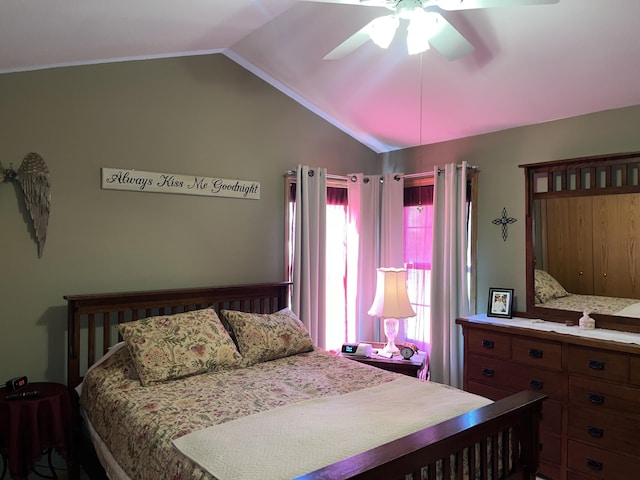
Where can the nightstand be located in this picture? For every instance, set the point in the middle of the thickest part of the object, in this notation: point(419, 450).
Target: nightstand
point(411, 367)
point(31, 426)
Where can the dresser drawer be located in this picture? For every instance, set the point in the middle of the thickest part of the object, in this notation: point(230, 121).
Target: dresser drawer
point(634, 363)
point(494, 372)
point(544, 381)
point(577, 476)
point(605, 364)
point(549, 470)
point(490, 391)
point(550, 447)
point(551, 416)
point(489, 343)
point(605, 431)
point(537, 353)
point(602, 464)
point(600, 396)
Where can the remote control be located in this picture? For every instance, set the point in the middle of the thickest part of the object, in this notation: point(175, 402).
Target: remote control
point(23, 395)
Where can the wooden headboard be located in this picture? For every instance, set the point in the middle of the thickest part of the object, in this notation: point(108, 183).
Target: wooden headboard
point(92, 319)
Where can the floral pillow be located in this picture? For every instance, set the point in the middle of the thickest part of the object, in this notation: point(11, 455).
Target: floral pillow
point(262, 337)
point(174, 346)
point(547, 287)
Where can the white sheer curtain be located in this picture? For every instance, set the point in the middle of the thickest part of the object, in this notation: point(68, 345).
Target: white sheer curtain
point(449, 280)
point(374, 240)
point(309, 271)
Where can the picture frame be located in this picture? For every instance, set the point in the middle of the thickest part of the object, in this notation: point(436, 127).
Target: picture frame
point(500, 302)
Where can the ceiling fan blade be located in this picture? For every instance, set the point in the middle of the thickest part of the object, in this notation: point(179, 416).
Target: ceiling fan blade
point(471, 4)
point(352, 43)
point(375, 3)
point(449, 42)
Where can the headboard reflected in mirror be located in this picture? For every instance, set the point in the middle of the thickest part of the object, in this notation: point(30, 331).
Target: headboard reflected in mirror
point(583, 240)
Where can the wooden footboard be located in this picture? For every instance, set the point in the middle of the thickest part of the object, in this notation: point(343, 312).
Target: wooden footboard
point(497, 441)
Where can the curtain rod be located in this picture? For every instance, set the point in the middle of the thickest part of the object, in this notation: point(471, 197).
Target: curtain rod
point(408, 175)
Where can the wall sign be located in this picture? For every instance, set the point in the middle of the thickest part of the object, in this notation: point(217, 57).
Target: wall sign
point(137, 180)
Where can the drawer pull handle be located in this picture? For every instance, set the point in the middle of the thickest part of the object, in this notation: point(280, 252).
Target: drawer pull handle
point(535, 353)
point(488, 372)
point(594, 465)
point(487, 344)
point(596, 365)
point(596, 398)
point(595, 431)
point(537, 384)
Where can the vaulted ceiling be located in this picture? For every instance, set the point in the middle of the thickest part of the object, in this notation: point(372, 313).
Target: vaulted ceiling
point(530, 64)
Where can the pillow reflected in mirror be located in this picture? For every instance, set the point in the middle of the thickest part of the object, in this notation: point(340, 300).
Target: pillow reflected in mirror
point(547, 288)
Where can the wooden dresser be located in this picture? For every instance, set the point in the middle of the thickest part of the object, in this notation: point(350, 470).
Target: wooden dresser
point(590, 425)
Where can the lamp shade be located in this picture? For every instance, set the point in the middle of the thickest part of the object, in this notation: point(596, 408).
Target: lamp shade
point(392, 299)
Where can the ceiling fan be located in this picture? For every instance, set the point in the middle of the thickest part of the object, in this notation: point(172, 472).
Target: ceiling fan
point(426, 26)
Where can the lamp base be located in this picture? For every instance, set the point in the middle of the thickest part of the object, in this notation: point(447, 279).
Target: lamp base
point(390, 330)
point(390, 349)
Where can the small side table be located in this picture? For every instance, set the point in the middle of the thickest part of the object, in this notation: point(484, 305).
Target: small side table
point(411, 367)
point(29, 427)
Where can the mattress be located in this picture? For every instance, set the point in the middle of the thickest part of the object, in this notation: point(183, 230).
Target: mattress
point(137, 425)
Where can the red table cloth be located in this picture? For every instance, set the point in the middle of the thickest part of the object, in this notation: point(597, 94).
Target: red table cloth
point(28, 427)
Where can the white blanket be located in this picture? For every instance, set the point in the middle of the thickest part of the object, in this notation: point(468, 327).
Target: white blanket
point(292, 440)
point(630, 311)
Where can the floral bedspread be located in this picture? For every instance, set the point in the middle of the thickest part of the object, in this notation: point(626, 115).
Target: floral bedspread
point(138, 423)
point(591, 303)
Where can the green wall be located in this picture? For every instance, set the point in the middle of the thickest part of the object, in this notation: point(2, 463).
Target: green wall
point(501, 181)
point(207, 116)
point(201, 115)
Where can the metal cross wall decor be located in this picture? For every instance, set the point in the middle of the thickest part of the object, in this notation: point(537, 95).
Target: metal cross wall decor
point(504, 221)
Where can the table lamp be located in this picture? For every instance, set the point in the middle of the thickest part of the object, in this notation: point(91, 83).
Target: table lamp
point(391, 303)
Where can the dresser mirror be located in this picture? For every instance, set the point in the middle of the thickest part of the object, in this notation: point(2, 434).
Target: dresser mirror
point(583, 240)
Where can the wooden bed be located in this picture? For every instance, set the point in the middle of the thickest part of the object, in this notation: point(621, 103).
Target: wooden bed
point(506, 429)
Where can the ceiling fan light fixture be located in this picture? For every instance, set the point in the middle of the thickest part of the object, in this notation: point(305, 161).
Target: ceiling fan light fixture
point(417, 42)
point(382, 30)
point(421, 27)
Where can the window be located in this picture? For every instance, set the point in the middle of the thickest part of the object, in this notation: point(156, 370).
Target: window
point(336, 271)
point(418, 235)
point(336, 328)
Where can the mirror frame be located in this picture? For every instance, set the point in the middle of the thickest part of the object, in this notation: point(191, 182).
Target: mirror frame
point(558, 173)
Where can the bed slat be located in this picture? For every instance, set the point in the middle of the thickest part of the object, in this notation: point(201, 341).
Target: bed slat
point(484, 458)
point(91, 331)
point(106, 333)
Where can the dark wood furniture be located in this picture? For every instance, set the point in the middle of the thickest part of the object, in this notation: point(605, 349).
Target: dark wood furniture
point(412, 367)
point(591, 420)
point(513, 420)
point(582, 227)
point(31, 426)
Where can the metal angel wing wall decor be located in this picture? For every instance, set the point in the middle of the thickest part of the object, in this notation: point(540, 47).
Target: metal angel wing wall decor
point(33, 177)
